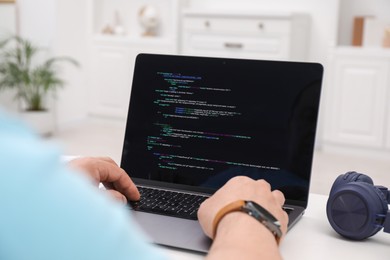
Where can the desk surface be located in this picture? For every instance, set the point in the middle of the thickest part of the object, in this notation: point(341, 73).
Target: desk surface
point(313, 238)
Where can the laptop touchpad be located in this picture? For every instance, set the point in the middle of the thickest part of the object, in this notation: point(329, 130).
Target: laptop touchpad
point(175, 232)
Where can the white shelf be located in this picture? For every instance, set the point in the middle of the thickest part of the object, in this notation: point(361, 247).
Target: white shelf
point(112, 56)
point(135, 40)
point(237, 14)
point(372, 52)
point(105, 13)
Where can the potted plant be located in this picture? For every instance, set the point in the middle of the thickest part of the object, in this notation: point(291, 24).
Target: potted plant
point(32, 78)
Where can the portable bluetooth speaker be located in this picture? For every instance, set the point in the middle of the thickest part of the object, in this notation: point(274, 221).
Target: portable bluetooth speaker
point(357, 209)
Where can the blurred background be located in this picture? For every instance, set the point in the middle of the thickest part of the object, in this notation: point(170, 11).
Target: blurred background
point(351, 38)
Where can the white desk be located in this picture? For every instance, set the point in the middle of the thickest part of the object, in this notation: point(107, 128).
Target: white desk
point(313, 238)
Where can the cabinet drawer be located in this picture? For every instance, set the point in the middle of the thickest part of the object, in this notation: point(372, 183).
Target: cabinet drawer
point(276, 36)
point(237, 25)
point(268, 45)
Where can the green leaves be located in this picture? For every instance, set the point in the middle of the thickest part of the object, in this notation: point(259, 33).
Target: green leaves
point(20, 71)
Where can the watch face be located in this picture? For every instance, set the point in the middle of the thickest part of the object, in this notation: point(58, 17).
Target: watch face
point(263, 215)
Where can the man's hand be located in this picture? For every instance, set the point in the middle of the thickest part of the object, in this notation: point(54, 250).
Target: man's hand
point(238, 235)
point(243, 188)
point(104, 170)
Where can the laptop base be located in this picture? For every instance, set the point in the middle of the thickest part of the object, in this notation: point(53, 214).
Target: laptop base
point(173, 232)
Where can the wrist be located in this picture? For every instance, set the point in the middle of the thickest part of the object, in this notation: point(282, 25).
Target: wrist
point(240, 223)
point(242, 236)
point(254, 210)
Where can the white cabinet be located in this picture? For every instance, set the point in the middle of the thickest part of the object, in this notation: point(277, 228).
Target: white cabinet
point(245, 35)
point(387, 135)
point(110, 79)
point(357, 98)
point(112, 55)
point(111, 72)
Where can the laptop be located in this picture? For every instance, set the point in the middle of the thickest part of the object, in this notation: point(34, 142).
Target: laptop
point(195, 122)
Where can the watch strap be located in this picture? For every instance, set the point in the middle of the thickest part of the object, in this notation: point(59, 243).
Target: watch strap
point(234, 206)
point(239, 205)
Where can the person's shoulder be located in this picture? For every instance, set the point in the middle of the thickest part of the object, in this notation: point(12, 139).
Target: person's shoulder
point(12, 125)
point(22, 152)
point(52, 210)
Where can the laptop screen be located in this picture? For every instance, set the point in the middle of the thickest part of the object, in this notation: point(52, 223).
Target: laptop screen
point(199, 121)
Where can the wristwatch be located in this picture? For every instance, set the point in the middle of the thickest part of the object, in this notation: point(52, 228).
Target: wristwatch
point(253, 209)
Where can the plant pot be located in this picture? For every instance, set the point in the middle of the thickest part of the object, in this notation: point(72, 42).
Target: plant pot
point(42, 122)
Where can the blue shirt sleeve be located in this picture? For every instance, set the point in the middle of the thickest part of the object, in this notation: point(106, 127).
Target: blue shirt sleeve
point(50, 212)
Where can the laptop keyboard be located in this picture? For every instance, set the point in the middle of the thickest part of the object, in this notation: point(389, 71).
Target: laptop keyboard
point(170, 203)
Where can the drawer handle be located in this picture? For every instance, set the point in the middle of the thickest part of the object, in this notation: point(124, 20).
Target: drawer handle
point(233, 45)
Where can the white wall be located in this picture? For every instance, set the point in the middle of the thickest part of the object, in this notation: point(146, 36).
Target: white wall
point(7, 27)
point(7, 19)
point(60, 27)
point(70, 39)
point(37, 21)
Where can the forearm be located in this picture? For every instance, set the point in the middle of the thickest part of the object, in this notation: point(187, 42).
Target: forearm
point(240, 236)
